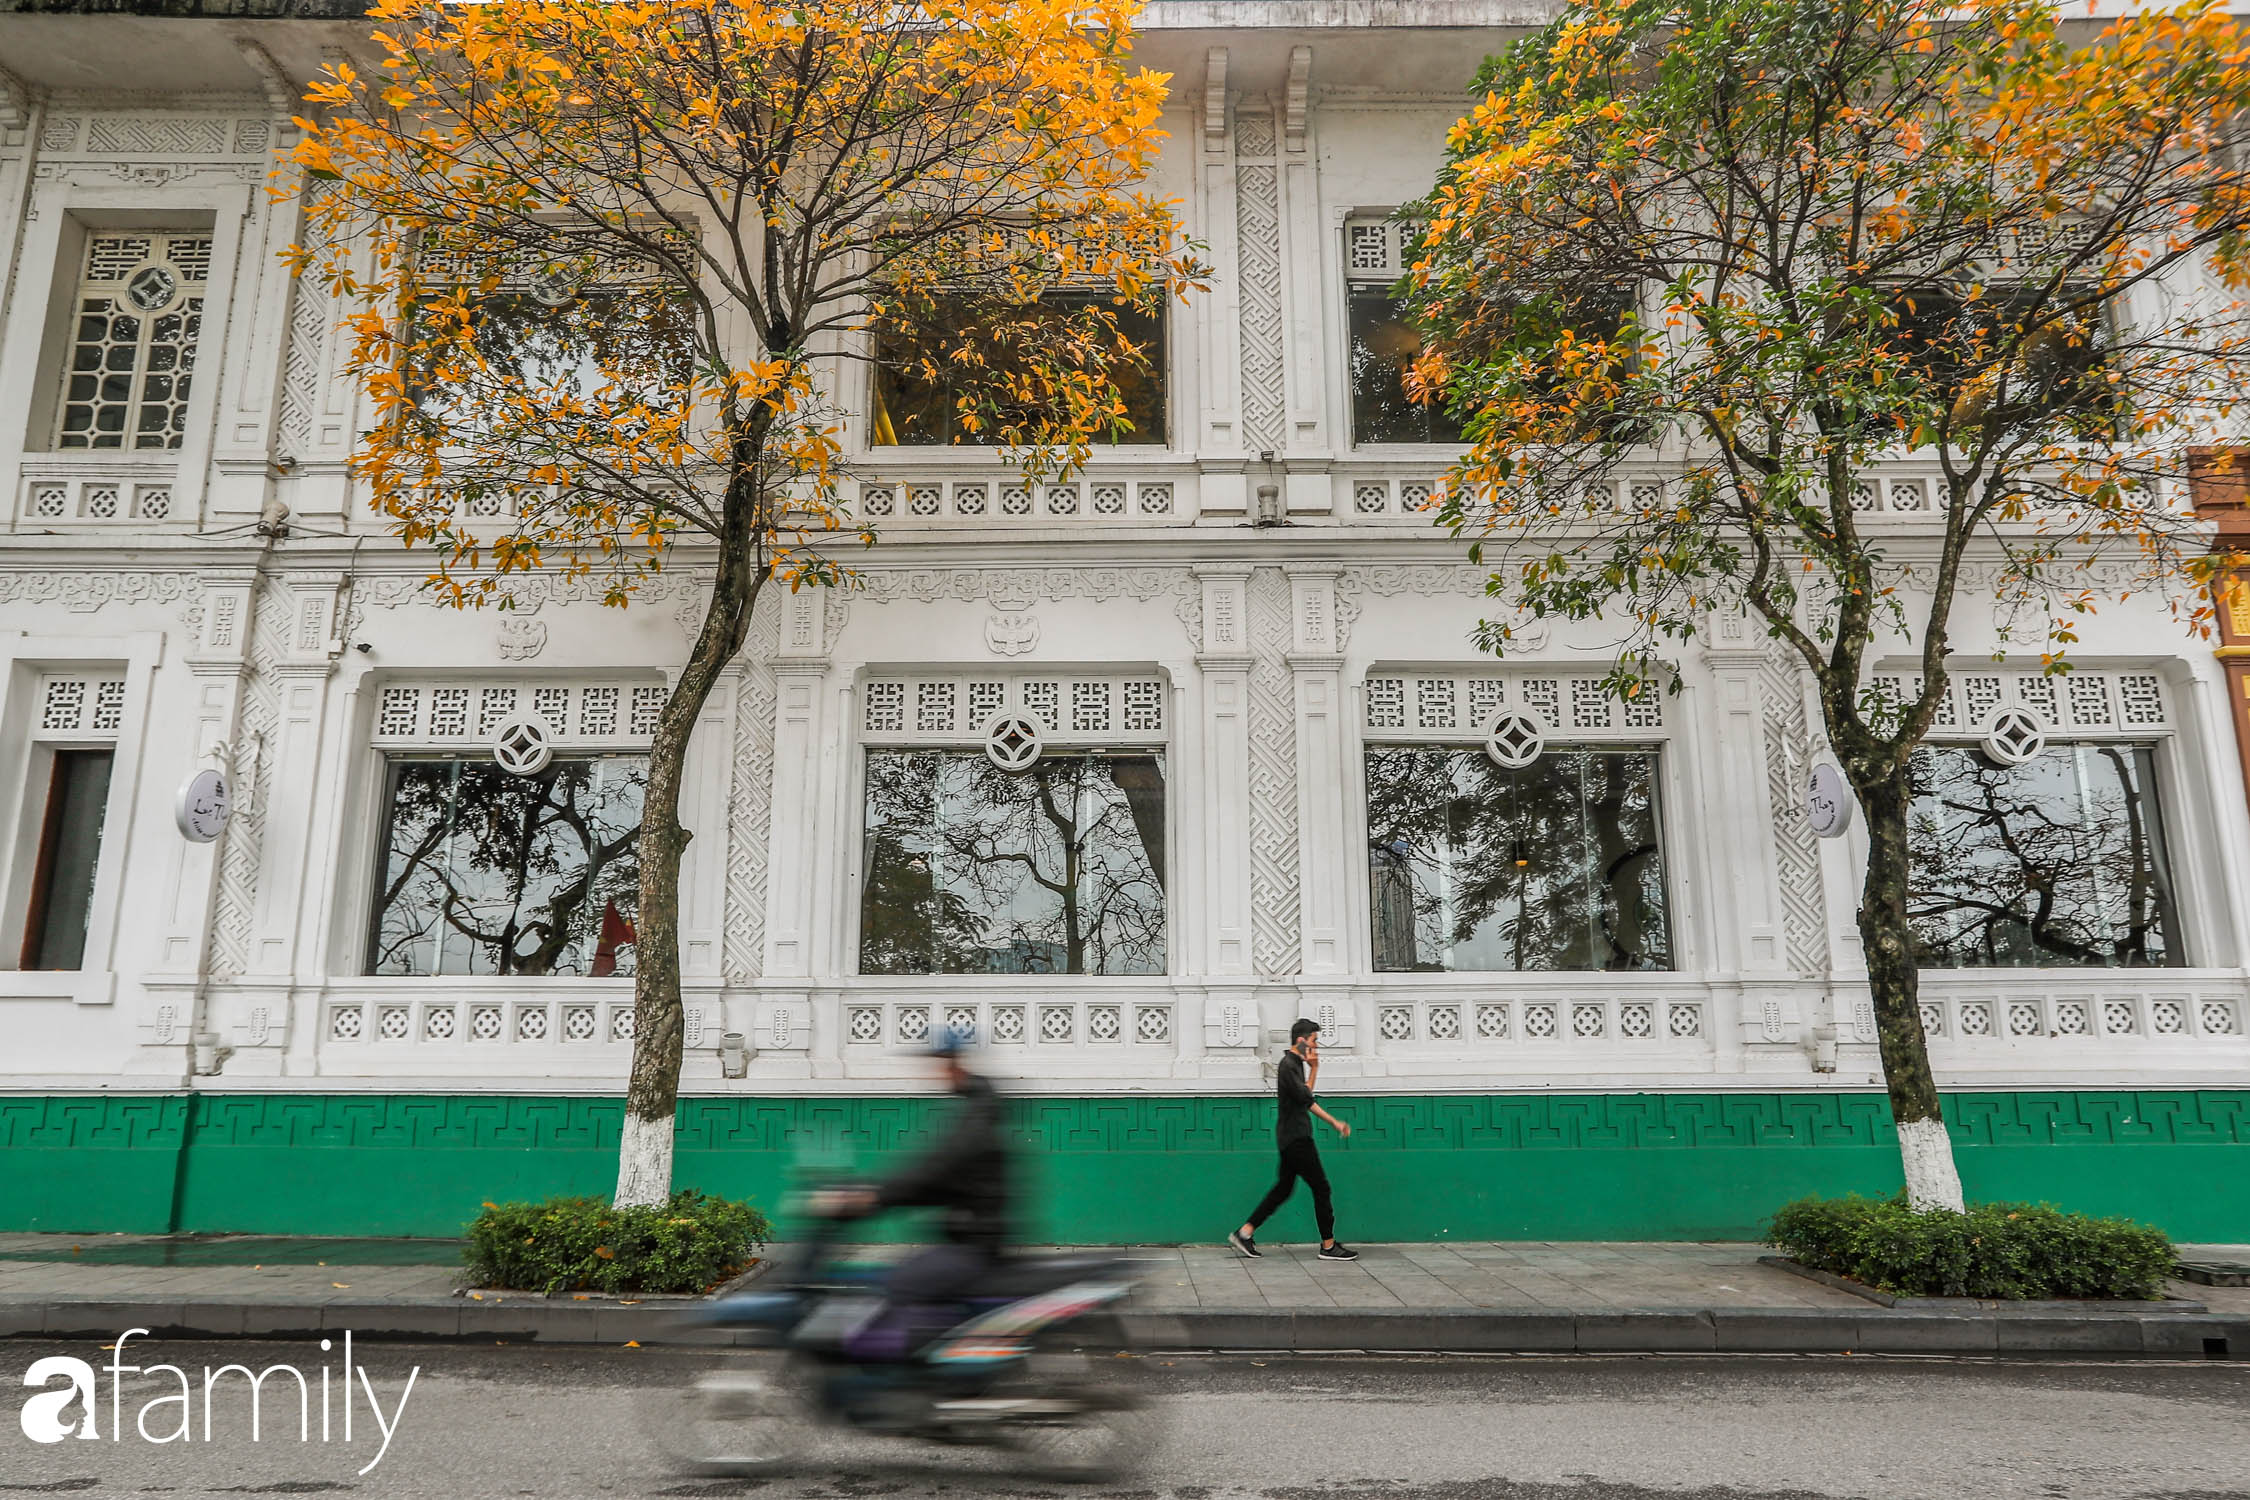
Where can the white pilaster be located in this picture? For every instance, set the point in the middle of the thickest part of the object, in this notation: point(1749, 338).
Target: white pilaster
point(1224, 663)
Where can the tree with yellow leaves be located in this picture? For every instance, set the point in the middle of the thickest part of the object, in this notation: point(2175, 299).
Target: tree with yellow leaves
point(1791, 240)
point(608, 265)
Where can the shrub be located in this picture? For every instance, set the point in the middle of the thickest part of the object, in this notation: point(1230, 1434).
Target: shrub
point(2008, 1251)
point(584, 1245)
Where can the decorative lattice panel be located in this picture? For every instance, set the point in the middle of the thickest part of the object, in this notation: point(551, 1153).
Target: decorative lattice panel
point(1081, 710)
point(1427, 706)
point(81, 706)
point(2078, 705)
point(447, 714)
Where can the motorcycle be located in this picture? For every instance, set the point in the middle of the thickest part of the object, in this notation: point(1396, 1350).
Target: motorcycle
point(1003, 1368)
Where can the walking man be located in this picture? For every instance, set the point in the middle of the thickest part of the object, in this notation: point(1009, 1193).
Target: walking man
point(1299, 1072)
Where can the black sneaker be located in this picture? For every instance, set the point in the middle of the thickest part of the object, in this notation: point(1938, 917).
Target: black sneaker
point(1244, 1244)
point(1338, 1251)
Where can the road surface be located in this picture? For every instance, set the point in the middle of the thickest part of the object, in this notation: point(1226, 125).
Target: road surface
point(558, 1422)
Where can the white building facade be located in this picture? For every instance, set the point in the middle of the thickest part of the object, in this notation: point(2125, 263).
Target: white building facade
point(1259, 770)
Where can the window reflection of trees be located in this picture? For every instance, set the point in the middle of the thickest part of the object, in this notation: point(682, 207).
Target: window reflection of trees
point(1383, 344)
point(917, 400)
point(971, 869)
point(1552, 867)
point(2057, 862)
point(605, 346)
point(484, 872)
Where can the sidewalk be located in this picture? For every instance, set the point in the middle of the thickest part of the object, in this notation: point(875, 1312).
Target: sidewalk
point(1485, 1297)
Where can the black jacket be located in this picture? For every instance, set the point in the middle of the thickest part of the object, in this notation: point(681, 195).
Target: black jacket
point(1294, 1122)
point(966, 1173)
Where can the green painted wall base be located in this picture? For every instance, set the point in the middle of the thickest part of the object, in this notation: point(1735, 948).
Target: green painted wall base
point(1125, 1168)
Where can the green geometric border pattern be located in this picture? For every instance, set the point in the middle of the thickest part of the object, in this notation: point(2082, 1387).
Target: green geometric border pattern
point(1124, 1168)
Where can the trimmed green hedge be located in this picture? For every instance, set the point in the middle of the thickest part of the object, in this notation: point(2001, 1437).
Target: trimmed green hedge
point(691, 1244)
point(2008, 1251)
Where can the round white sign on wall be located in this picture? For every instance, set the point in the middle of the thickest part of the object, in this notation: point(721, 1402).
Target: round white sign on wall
point(1828, 802)
point(201, 810)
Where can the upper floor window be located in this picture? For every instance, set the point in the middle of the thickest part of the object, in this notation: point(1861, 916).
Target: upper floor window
point(74, 737)
point(139, 313)
point(551, 346)
point(1384, 342)
point(498, 861)
point(1014, 827)
point(2049, 349)
point(1541, 849)
point(918, 388)
point(2041, 844)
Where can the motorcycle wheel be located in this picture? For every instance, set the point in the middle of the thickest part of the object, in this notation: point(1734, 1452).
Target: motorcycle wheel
point(734, 1422)
point(1105, 1442)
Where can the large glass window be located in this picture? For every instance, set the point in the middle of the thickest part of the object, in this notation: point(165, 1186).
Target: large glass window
point(970, 869)
point(132, 354)
point(1555, 866)
point(2059, 372)
point(1384, 345)
point(595, 349)
point(70, 845)
point(2054, 863)
point(484, 872)
point(917, 400)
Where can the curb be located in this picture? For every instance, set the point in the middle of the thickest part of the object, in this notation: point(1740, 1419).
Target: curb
point(2034, 1333)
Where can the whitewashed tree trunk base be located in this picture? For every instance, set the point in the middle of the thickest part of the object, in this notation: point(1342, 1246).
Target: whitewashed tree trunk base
point(644, 1163)
point(1926, 1149)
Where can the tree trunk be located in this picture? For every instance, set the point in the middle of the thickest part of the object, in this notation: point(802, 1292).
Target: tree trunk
point(644, 1156)
point(1925, 1149)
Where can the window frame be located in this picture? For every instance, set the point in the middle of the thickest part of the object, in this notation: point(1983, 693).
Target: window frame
point(2109, 316)
point(1165, 365)
point(615, 274)
point(964, 738)
point(28, 749)
point(1351, 280)
point(392, 763)
point(2185, 834)
point(1675, 750)
point(348, 940)
point(77, 282)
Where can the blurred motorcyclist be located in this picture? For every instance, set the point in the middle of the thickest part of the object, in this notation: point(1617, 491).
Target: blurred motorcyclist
point(966, 1174)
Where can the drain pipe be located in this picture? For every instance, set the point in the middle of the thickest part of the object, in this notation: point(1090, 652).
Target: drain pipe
point(205, 1054)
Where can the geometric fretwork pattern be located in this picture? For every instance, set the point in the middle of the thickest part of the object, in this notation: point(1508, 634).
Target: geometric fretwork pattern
point(1274, 890)
point(1258, 221)
point(1804, 914)
point(750, 803)
point(876, 1126)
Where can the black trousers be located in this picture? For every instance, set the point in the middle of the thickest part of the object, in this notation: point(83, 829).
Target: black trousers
point(1299, 1159)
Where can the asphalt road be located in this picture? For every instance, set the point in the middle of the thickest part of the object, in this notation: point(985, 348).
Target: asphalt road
point(554, 1422)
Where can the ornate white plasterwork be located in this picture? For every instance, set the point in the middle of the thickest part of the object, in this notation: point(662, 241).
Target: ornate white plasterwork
point(1789, 755)
point(1275, 891)
point(1428, 580)
point(1257, 181)
point(521, 639)
point(531, 592)
point(1011, 632)
point(305, 367)
point(82, 593)
point(750, 799)
point(1013, 590)
point(970, 585)
point(242, 849)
